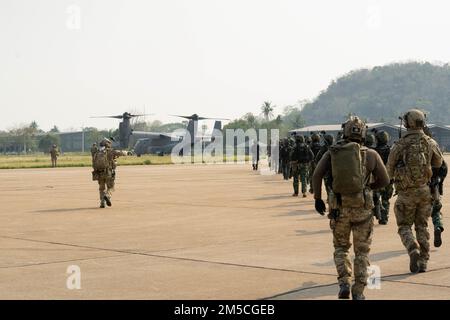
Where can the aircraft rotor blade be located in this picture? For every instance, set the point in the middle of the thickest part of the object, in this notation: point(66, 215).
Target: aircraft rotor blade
point(115, 117)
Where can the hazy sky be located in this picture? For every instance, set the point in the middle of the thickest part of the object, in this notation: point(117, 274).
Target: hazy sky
point(63, 61)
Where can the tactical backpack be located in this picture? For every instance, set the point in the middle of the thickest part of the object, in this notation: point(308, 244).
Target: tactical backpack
point(413, 166)
point(302, 153)
point(315, 148)
point(100, 161)
point(348, 169)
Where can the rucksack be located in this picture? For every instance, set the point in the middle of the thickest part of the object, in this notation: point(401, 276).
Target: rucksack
point(414, 163)
point(100, 161)
point(315, 148)
point(348, 168)
point(302, 153)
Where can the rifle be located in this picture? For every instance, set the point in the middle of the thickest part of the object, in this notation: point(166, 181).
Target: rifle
point(400, 128)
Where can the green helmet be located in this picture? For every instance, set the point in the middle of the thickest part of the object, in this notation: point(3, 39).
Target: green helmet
point(414, 119)
point(329, 139)
point(370, 140)
point(315, 137)
point(382, 137)
point(354, 129)
point(300, 139)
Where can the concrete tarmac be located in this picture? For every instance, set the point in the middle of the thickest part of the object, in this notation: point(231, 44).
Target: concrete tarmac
point(185, 232)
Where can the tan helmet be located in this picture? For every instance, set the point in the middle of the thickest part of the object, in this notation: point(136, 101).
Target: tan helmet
point(414, 119)
point(106, 143)
point(354, 129)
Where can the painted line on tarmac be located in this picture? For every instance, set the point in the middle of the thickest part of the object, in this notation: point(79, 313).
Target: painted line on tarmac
point(60, 261)
point(298, 290)
point(172, 257)
point(236, 265)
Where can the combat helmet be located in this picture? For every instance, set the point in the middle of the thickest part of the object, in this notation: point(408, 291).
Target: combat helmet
point(354, 129)
point(315, 137)
point(414, 119)
point(382, 137)
point(106, 143)
point(299, 139)
point(369, 140)
point(328, 139)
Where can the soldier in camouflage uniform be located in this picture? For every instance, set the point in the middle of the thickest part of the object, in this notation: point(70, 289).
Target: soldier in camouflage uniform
point(437, 191)
point(284, 158)
point(351, 212)
point(301, 156)
point(315, 148)
point(410, 165)
point(381, 197)
point(106, 177)
point(328, 141)
point(54, 154)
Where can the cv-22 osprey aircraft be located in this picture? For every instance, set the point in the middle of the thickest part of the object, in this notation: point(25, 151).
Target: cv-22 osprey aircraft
point(144, 142)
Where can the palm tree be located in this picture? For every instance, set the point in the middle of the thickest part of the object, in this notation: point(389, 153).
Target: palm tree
point(267, 110)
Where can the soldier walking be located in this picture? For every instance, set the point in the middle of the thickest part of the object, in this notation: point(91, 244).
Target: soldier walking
point(381, 197)
point(315, 148)
point(104, 163)
point(284, 158)
point(301, 157)
point(410, 165)
point(351, 203)
point(437, 191)
point(54, 154)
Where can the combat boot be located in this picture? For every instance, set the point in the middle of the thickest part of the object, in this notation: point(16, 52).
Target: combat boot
point(358, 296)
point(304, 195)
point(414, 261)
point(422, 266)
point(102, 204)
point(107, 200)
point(344, 291)
point(437, 237)
point(295, 194)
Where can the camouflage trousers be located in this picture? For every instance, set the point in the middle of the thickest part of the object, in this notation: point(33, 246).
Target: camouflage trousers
point(54, 160)
point(359, 222)
point(381, 200)
point(413, 207)
point(106, 186)
point(436, 215)
point(299, 171)
point(285, 168)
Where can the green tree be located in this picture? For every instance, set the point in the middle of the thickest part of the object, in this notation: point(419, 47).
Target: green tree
point(46, 141)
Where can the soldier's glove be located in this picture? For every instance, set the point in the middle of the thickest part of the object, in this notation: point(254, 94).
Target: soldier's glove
point(320, 206)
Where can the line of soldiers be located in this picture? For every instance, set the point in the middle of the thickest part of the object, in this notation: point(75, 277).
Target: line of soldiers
point(359, 179)
point(298, 157)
